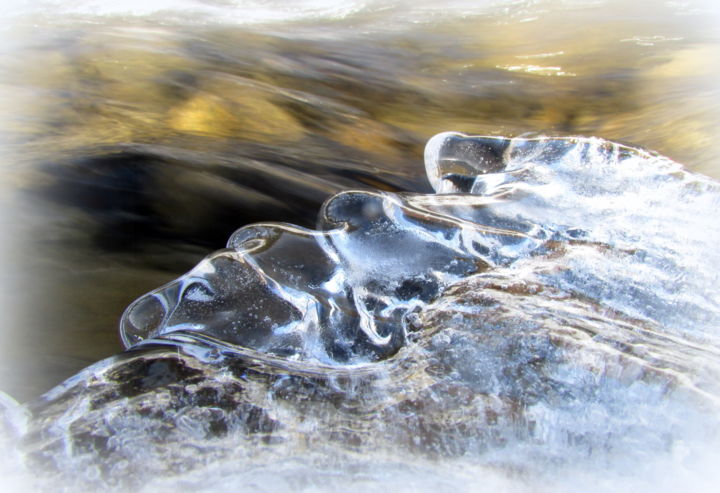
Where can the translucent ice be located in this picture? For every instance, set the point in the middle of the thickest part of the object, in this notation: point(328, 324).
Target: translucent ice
point(346, 292)
point(552, 311)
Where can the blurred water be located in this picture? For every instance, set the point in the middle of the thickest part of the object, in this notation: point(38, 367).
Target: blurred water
point(137, 138)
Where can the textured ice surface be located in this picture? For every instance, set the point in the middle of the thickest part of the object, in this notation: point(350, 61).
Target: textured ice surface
point(547, 319)
point(627, 224)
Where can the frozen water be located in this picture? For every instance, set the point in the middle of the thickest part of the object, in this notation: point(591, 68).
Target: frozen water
point(550, 312)
point(607, 215)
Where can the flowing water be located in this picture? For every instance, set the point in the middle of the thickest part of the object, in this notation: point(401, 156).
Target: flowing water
point(533, 310)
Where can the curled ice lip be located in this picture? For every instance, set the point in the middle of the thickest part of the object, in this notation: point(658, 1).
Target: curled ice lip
point(450, 155)
point(345, 293)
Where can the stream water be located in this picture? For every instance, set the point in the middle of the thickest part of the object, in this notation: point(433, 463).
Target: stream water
point(533, 310)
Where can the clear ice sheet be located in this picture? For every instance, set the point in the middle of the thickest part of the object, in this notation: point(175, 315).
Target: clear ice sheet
point(550, 312)
point(345, 293)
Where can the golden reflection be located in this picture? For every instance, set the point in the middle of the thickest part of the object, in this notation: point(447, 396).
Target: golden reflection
point(653, 86)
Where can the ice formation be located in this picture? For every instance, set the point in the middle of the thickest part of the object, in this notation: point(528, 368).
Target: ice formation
point(551, 311)
point(347, 292)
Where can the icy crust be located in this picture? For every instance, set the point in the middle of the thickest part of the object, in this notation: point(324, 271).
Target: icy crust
point(551, 313)
point(516, 381)
point(636, 230)
point(347, 292)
